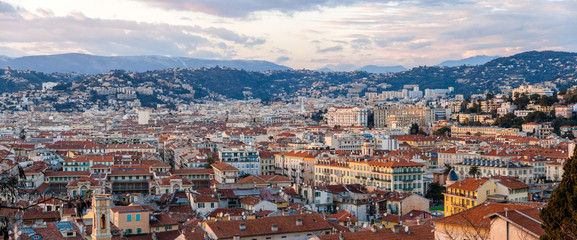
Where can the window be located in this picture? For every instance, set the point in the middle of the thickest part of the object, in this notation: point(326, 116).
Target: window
point(129, 218)
point(138, 230)
point(138, 217)
point(168, 227)
point(200, 205)
point(211, 205)
point(128, 231)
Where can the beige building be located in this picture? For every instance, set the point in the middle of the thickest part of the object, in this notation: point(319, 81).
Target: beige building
point(402, 116)
point(224, 173)
point(554, 171)
point(458, 131)
point(347, 116)
point(396, 175)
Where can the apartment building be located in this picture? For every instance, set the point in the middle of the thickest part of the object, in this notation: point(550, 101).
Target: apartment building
point(402, 116)
point(491, 168)
point(394, 175)
point(347, 116)
point(459, 131)
point(471, 192)
point(224, 173)
point(299, 166)
point(84, 163)
point(246, 160)
point(132, 219)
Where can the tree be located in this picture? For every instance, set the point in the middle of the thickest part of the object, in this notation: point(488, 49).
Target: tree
point(474, 171)
point(444, 131)
point(414, 128)
point(548, 100)
point(447, 169)
point(509, 120)
point(537, 116)
point(559, 217)
point(435, 192)
point(522, 101)
point(209, 161)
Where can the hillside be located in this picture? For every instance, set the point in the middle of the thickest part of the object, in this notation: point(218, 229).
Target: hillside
point(187, 84)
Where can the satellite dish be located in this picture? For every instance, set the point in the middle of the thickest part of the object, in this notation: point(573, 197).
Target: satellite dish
point(406, 229)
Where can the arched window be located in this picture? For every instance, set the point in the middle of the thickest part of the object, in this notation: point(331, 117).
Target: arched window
point(102, 222)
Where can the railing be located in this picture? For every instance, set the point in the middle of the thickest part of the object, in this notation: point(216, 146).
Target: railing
point(462, 195)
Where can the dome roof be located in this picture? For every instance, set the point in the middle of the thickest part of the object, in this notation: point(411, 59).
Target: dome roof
point(453, 176)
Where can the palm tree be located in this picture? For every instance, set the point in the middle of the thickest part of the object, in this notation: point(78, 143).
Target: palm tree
point(448, 169)
point(474, 171)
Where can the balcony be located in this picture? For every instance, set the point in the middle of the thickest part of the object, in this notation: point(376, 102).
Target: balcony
point(462, 195)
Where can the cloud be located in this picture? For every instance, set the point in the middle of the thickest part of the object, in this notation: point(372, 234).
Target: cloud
point(330, 49)
point(361, 43)
point(282, 59)
point(25, 32)
point(241, 9)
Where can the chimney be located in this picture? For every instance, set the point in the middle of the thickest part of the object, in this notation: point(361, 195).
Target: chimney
point(506, 214)
point(274, 228)
point(236, 237)
point(299, 222)
point(341, 236)
point(242, 226)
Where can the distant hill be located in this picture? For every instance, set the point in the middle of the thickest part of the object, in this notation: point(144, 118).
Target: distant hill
point(382, 69)
point(523, 68)
point(472, 61)
point(90, 64)
point(532, 67)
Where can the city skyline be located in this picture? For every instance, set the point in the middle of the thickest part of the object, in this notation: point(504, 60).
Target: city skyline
point(310, 34)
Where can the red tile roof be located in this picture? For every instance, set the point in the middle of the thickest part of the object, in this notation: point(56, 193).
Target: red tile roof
point(469, 184)
point(420, 232)
point(224, 166)
point(343, 216)
point(263, 226)
point(476, 216)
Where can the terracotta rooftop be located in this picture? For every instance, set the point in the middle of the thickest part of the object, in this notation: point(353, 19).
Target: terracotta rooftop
point(420, 232)
point(224, 166)
point(476, 216)
point(469, 184)
point(264, 226)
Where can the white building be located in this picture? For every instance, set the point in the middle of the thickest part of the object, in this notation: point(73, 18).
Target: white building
point(347, 116)
point(247, 161)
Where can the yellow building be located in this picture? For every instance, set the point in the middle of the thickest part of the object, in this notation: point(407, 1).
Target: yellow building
point(468, 193)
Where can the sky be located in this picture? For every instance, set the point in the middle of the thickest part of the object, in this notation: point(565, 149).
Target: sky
point(311, 34)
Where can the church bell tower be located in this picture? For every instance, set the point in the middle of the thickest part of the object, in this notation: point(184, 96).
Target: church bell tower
point(101, 217)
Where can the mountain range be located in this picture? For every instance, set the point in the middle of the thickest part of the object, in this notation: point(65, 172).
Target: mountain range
point(471, 61)
point(90, 64)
